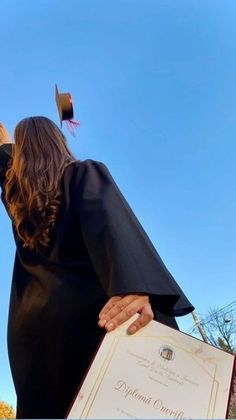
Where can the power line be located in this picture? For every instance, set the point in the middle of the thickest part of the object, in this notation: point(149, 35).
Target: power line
point(231, 307)
point(223, 311)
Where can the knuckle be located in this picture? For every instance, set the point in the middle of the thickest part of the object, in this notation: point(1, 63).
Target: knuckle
point(120, 307)
point(129, 312)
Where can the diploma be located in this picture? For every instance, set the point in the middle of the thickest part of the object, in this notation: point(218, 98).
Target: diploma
point(156, 373)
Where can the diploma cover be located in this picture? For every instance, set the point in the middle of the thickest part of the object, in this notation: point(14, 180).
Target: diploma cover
point(158, 372)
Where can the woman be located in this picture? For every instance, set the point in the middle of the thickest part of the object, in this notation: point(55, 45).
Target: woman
point(83, 266)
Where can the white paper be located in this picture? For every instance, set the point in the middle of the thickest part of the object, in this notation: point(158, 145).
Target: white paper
point(156, 373)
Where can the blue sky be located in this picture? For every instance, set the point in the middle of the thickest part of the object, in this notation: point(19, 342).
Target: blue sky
point(153, 84)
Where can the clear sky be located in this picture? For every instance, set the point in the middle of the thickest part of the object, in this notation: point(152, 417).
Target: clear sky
point(153, 84)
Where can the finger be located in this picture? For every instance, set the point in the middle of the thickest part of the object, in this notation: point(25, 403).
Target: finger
point(111, 302)
point(118, 302)
point(112, 308)
point(144, 318)
point(116, 306)
point(117, 318)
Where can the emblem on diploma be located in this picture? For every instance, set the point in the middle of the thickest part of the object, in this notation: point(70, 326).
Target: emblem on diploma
point(167, 353)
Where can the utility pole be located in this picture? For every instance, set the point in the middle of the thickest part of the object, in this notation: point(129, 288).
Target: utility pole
point(199, 326)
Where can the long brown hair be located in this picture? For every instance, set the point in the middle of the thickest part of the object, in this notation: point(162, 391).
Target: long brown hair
point(32, 187)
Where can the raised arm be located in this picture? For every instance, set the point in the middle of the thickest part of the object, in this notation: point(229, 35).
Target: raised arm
point(5, 151)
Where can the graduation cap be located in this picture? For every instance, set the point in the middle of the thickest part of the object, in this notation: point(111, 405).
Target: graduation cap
point(65, 110)
point(64, 105)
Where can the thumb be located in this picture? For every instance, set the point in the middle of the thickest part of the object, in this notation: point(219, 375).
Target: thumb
point(146, 315)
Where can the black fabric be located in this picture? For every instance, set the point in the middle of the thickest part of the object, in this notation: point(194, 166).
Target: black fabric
point(98, 249)
point(5, 155)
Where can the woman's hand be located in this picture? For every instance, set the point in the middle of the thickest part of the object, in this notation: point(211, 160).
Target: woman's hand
point(120, 308)
point(4, 135)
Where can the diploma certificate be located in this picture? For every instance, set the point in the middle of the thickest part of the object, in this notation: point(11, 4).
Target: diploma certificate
point(156, 373)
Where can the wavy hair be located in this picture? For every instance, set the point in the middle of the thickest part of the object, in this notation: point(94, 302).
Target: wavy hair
point(32, 187)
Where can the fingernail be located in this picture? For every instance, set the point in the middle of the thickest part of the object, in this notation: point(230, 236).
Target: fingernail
point(132, 330)
point(110, 326)
point(102, 323)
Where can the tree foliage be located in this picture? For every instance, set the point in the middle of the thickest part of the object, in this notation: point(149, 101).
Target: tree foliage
point(220, 329)
point(6, 411)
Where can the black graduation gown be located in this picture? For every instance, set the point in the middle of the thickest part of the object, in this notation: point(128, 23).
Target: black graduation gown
point(98, 249)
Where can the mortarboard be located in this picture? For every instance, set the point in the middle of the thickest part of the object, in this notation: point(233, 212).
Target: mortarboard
point(65, 110)
point(64, 105)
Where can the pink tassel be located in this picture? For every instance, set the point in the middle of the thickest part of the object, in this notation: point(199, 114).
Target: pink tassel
point(72, 126)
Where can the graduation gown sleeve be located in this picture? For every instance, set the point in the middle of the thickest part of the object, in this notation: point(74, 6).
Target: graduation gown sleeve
point(123, 256)
point(5, 155)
